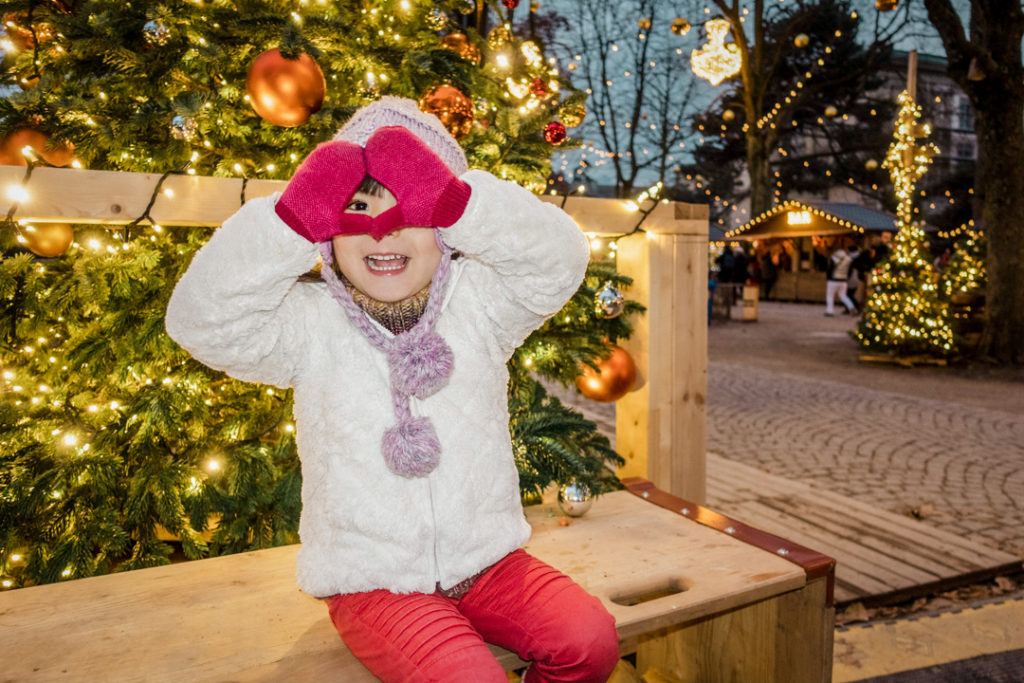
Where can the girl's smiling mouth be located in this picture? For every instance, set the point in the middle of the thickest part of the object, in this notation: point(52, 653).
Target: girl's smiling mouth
point(386, 264)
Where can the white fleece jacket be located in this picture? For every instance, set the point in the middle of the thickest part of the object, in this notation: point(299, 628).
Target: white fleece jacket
point(240, 309)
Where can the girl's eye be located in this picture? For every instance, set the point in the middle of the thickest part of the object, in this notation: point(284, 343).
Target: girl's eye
point(357, 205)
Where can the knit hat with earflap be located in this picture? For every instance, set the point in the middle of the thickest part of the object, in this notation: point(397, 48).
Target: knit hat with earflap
point(419, 359)
point(399, 111)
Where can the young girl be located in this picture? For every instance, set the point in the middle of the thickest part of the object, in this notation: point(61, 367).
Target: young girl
point(411, 523)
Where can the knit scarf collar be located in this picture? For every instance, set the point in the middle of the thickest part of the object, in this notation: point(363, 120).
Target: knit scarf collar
point(398, 316)
point(420, 363)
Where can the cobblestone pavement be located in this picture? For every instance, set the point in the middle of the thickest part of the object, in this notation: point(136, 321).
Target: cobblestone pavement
point(956, 466)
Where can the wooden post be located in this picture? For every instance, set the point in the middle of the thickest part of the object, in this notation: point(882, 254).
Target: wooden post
point(660, 425)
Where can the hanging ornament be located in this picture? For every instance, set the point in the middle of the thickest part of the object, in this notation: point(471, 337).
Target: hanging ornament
point(831, 111)
point(462, 46)
point(613, 379)
point(802, 40)
point(871, 164)
point(534, 5)
point(510, 4)
point(572, 115)
point(574, 498)
point(728, 115)
point(609, 302)
point(680, 26)
point(19, 31)
point(65, 6)
point(465, 6)
point(644, 23)
point(155, 33)
point(437, 19)
point(716, 60)
point(886, 5)
point(285, 92)
point(498, 38)
point(554, 133)
point(451, 106)
point(14, 142)
point(539, 87)
point(48, 240)
point(184, 127)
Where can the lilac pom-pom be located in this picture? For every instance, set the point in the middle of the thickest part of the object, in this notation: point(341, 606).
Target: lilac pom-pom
point(420, 364)
point(411, 448)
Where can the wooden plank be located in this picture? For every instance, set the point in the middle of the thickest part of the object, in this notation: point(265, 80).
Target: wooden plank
point(785, 638)
point(878, 553)
point(81, 196)
point(242, 618)
point(758, 480)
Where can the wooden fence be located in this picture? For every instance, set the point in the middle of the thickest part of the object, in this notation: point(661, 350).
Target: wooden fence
point(660, 428)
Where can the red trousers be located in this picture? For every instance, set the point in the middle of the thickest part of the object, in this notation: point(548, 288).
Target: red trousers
point(520, 604)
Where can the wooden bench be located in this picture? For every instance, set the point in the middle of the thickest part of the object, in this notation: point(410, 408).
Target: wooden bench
point(695, 595)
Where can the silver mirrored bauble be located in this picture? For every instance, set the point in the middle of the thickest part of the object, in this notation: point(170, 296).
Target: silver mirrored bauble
point(155, 32)
point(609, 302)
point(183, 127)
point(574, 498)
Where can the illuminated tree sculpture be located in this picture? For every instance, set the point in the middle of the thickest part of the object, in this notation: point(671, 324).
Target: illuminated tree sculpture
point(903, 314)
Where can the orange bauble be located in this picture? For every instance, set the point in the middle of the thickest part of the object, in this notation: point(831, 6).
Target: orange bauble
point(285, 92)
point(12, 144)
point(453, 108)
point(49, 240)
point(461, 45)
point(613, 381)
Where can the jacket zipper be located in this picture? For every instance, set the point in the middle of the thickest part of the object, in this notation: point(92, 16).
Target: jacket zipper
point(433, 520)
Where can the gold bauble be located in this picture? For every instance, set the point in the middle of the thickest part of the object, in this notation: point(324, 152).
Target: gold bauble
point(802, 40)
point(886, 5)
point(498, 38)
point(831, 111)
point(451, 106)
point(462, 46)
point(644, 23)
point(572, 115)
point(613, 379)
point(48, 240)
point(871, 164)
point(680, 26)
point(728, 115)
point(285, 92)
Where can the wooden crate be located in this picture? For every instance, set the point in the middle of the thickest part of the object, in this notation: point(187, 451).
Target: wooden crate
point(695, 595)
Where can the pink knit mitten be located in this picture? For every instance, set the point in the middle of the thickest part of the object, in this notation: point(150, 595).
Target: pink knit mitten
point(315, 198)
point(428, 193)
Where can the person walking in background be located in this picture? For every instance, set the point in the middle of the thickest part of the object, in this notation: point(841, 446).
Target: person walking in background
point(769, 274)
point(838, 273)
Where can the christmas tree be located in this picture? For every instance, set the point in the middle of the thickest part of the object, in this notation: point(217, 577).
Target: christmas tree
point(903, 314)
point(117, 448)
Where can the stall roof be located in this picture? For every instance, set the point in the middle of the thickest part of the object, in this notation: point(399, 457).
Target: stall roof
point(795, 218)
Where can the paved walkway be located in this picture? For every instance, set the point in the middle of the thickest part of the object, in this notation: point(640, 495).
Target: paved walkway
point(954, 466)
point(787, 395)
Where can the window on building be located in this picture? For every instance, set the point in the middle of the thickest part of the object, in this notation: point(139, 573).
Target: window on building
point(966, 115)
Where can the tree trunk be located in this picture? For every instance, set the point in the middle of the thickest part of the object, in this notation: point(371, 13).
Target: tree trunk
point(759, 169)
point(999, 182)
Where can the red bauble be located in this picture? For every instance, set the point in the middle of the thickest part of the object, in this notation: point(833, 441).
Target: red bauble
point(614, 379)
point(12, 144)
point(554, 133)
point(539, 87)
point(285, 92)
point(510, 4)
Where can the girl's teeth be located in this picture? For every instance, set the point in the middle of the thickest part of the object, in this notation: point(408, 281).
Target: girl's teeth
point(384, 263)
